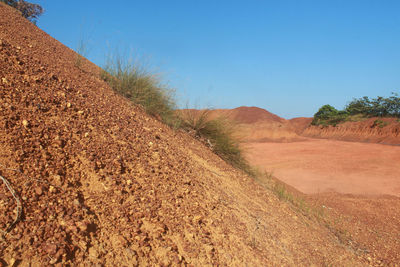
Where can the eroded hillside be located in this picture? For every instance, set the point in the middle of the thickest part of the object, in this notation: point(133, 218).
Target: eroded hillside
point(372, 130)
point(101, 182)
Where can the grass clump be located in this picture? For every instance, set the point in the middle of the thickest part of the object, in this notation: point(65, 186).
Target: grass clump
point(217, 133)
point(132, 81)
point(143, 88)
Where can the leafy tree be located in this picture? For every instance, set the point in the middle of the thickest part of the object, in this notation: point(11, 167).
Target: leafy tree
point(29, 10)
point(324, 113)
point(376, 107)
point(358, 106)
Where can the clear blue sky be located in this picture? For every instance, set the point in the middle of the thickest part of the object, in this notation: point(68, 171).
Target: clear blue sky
point(289, 57)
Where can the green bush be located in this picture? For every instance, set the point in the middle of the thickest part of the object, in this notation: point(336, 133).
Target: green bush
point(328, 115)
point(141, 87)
point(380, 123)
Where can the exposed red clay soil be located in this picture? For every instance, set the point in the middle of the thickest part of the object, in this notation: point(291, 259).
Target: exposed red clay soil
point(102, 183)
point(355, 185)
point(372, 130)
point(371, 222)
point(300, 124)
point(318, 166)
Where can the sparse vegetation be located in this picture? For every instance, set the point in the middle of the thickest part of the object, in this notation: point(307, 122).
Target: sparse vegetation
point(140, 86)
point(380, 123)
point(218, 133)
point(145, 89)
point(359, 109)
point(81, 53)
point(28, 10)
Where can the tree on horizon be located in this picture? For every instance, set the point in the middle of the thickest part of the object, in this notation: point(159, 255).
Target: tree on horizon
point(28, 10)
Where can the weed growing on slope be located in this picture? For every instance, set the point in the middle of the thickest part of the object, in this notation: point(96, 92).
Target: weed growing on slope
point(217, 133)
point(143, 88)
point(81, 52)
point(140, 86)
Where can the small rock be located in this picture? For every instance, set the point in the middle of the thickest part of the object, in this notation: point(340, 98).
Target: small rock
point(129, 182)
point(53, 260)
point(57, 180)
point(68, 105)
point(93, 253)
point(83, 245)
point(52, 189)
point(80, 112)
point(38, 191)
point(25, 123)
point(86, 134)
point(51, 249)
point(4, 80)
point(82, 226)
point(76, 202)
point(197, 219)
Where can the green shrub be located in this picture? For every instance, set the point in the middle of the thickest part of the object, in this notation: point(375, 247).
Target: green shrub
point(141, 87)
point(380, 123)
point(328, 115)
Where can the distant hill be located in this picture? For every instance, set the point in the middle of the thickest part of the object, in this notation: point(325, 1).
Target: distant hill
point(250, 115)
point(255, 124)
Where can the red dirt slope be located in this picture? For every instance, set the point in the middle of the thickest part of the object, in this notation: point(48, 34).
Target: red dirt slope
point(300, 124)
point(372, 130)
point(102, 183)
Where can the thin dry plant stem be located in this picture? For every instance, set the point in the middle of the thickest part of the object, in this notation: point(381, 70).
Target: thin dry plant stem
point(19, 206)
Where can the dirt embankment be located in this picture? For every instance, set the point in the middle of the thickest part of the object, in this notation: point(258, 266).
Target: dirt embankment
point(255, 124)
point(102, 183)
point(372, 130)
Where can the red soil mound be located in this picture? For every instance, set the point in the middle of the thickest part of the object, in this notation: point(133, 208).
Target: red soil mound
point(102, 183)
point(254, 124)
point(250, 115)
point(300, 124)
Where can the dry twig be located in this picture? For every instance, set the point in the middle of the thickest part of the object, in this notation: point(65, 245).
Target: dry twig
point(19, 206)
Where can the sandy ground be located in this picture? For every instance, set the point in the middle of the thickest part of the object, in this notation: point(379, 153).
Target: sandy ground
point(319, 166)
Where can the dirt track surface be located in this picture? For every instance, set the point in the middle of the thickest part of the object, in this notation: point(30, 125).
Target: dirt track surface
point(356, 185)
point(100, 182)
point(319, 166)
